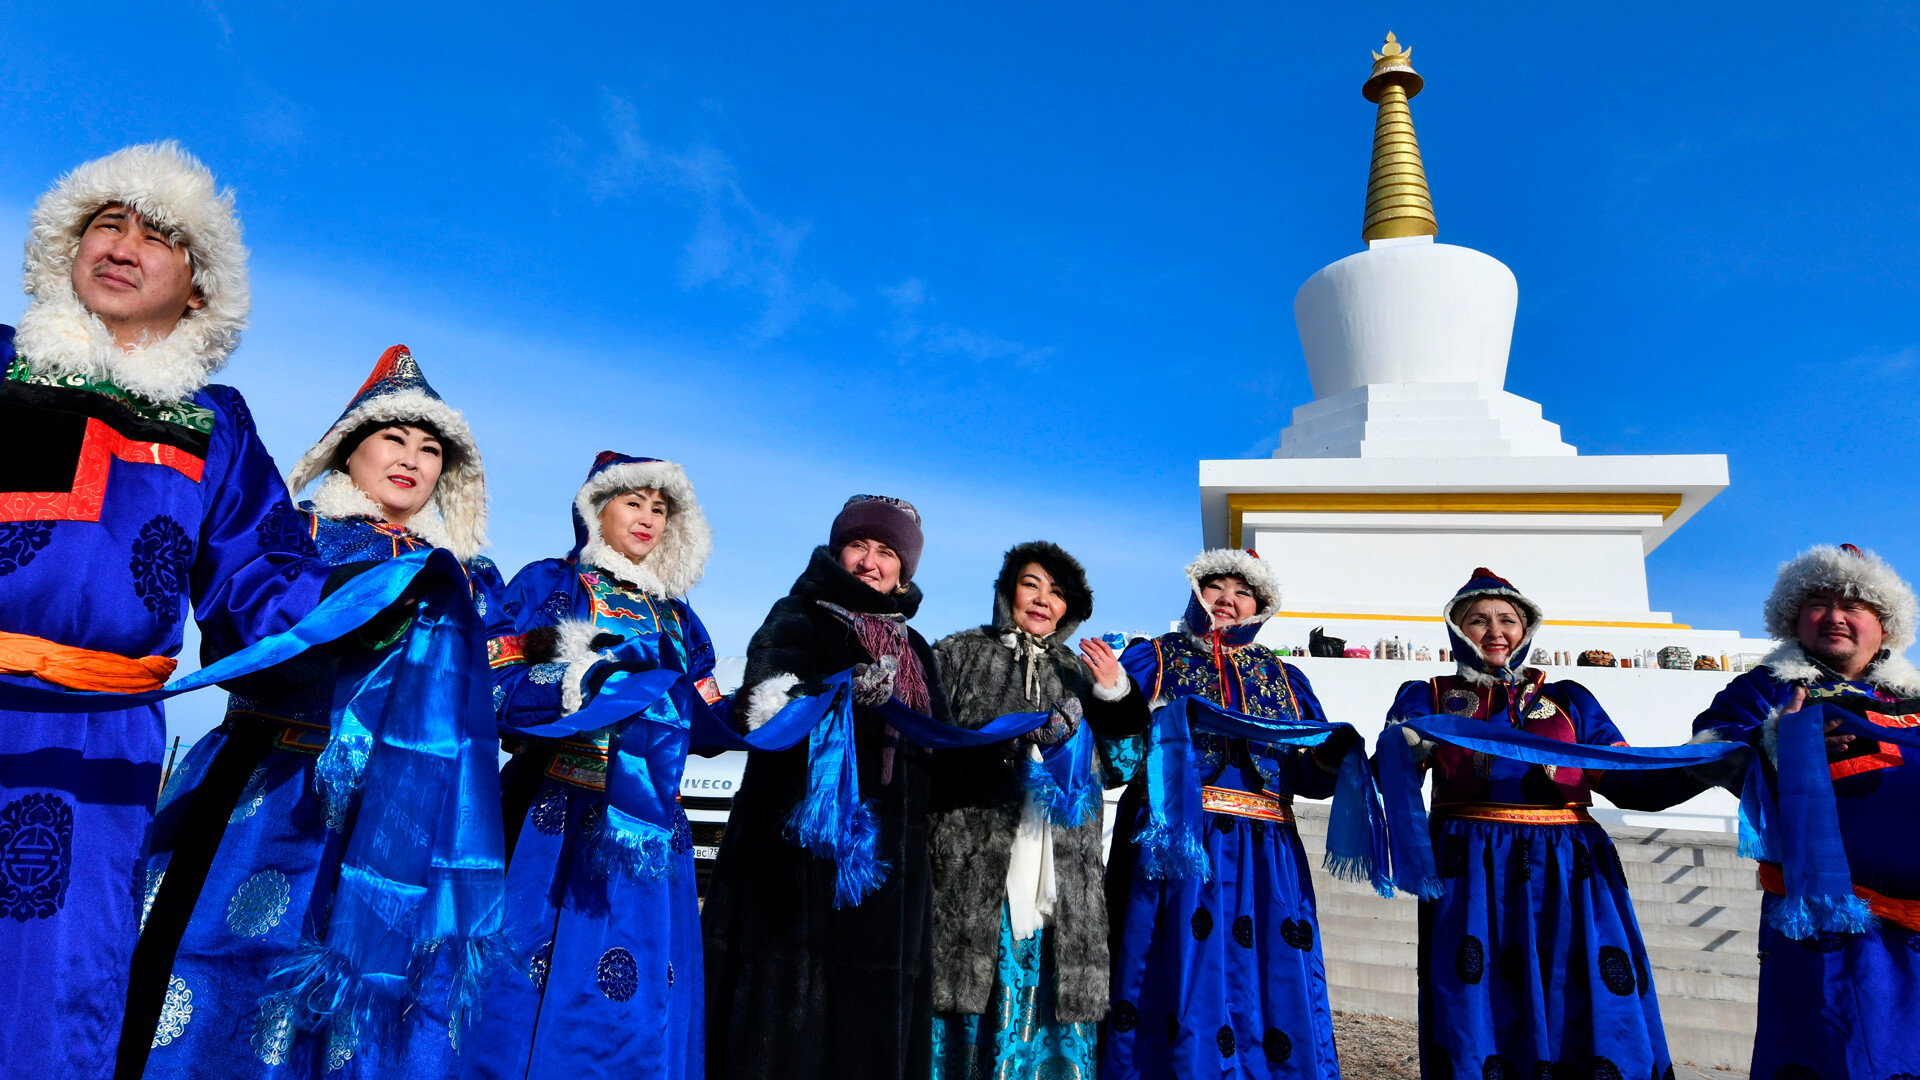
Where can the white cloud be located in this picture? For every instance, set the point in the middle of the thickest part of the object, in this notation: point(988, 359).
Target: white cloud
point(734, 244)
point(912, 337)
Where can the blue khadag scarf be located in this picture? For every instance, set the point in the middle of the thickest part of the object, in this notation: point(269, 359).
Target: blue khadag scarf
point(424, 871)
point(1799, 828)
point(1170, 844)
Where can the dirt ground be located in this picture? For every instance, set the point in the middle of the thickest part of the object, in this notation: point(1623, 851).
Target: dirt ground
point(1381, 1048)
point(1376, 1047)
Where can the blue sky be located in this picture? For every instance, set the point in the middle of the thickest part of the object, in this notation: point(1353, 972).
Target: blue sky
point(1025, 265)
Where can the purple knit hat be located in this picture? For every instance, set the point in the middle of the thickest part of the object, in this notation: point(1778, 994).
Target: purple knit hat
point(893, 522)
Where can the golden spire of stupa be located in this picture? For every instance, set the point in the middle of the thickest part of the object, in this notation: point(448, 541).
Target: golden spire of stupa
point(1398, 203)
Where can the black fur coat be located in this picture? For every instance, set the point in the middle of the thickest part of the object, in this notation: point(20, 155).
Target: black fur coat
point(795, 987)
point(977, 799)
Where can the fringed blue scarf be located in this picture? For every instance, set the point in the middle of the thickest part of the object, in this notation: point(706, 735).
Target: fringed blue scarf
point(1063, 780)
point(832, 821)
point(424, 873)
point(1170, 845)
point(1413, 867)
point(424, 870)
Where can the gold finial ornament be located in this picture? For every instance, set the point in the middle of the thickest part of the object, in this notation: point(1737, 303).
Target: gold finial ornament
point(1398, 203)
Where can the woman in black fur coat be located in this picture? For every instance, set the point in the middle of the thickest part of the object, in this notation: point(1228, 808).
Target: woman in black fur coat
point(1020, 959)
point(795, 987)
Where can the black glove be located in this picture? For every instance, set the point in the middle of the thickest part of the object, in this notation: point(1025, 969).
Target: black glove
point(873, 683)
point(1333, 750)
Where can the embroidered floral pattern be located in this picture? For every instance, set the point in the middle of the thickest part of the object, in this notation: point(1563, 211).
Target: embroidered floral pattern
point(258, 904)
point(538, 964)
point(617, 974)
point(550, 814)
point(283, 530)
point(36, 856)
point(161, 554)
point(20, 541)
point(175, 1013)
point(154, 876)
point(273, 1033)
point(252, 797)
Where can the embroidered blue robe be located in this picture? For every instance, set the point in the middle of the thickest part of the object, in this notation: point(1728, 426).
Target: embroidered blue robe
point(1222, 977)
point(606, 974)
point(1840, 1005)
point(1531, 961)
point(118, 514)
point(272, 877)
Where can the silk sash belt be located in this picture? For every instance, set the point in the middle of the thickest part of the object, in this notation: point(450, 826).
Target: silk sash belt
point(1504, 814)
point(1904, 913)
point(1413, 867)
point(1170, 844)
point(1245, 804)
point(82, 669)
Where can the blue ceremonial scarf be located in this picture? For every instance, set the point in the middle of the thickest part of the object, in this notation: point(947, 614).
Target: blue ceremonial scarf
point(832, 821)
point(424, 869)
point(1357, 835)
point(1413, 867)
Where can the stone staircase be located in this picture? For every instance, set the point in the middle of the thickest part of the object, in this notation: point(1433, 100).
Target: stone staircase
point(1699, 911)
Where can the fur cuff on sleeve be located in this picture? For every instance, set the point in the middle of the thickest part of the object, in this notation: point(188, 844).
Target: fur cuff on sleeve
point(1119, 690)
point(573, 647)
point(768, 698)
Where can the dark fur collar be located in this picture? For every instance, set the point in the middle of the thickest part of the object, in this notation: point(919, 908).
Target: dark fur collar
point(825, 579)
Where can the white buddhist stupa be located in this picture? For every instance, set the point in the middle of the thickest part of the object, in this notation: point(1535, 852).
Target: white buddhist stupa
point(1413, 465)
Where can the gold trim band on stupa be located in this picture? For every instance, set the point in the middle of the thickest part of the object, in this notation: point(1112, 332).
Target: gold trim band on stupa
point(1398, 203)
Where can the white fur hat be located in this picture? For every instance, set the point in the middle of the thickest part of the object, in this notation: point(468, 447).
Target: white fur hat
point(398, 393)
point(1851, 572)
point(171, 189)
point(679, 560)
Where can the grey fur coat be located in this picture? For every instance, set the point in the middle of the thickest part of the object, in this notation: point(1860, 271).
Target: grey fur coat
point(976, 799)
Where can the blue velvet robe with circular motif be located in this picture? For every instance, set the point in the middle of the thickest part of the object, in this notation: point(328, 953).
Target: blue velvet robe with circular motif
point(116, 516)
point(606, 975)
point(274, 873)
point(1222, 977)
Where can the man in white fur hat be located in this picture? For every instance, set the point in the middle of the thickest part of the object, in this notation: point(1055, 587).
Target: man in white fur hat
point(1841, 1005)
point(131, 488)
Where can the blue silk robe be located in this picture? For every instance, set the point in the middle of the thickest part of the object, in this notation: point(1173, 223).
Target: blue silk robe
point(273, 875)
point(1839, 1005)
point(1222, 977)
point(606, 974)
point(119, 515)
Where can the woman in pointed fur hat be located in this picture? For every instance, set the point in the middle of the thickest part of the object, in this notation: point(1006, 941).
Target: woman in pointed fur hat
point(1532, 953)
point(797, 987)
point(1844, 619)
point(251, 830)
point(1019, 917)
point(605, 978)
point(1224, 973)
point(138, 494)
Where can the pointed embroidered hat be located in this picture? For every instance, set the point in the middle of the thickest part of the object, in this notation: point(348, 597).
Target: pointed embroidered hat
point(1485, 584)
point(398, 393)
point(678, 559)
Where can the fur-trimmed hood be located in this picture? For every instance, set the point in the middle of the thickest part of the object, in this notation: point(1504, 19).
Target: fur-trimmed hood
point(1067, 573)
point(1853, 573)
point(171, 189)
point(397, 392)
point(1467, 658)
point(1246, 566)
point(679, 559)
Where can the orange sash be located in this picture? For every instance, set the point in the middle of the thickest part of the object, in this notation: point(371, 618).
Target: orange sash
point(82, 669)
point(1902, 912)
